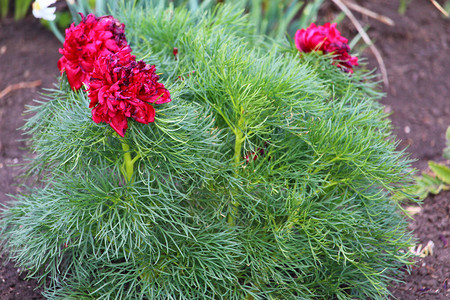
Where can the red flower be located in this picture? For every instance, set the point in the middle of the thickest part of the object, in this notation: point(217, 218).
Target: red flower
point(121, 87)
point(254, 155)
point(85, 42)
point(327, 39)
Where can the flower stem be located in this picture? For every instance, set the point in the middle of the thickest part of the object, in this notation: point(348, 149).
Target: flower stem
point(237, 148)
point(56, 31)
point(237, 159)
point(128, 162)
point(239, 140)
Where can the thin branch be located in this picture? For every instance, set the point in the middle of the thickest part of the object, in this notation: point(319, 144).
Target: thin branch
point(369, 13)
point(20, 85)
point(366, 39)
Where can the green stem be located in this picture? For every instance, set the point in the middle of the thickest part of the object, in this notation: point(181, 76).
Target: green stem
point(237, 148)
point(56, 31)
point(239, 140)
point(136, 158)
point(99, 7)
point(128, 162)
point(237, 159)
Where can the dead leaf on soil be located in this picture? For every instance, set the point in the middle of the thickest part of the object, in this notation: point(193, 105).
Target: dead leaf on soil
point(413, 210)
point(423, 252)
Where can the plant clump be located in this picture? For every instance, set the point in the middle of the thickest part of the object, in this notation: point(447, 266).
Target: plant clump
point(269, 175)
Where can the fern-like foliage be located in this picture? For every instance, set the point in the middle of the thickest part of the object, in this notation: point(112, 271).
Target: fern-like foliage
point(268, 176)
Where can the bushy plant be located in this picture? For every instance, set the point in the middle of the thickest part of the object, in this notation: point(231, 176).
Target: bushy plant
point(268, 176)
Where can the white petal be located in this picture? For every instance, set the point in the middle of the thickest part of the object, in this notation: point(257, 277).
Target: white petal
point(49, 13)
point(46, 3)
point(37, 14)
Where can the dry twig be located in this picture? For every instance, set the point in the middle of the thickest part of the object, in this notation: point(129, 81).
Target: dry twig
point(369, 13)
point(18, 86)
point(366, 39)
point(439, 7)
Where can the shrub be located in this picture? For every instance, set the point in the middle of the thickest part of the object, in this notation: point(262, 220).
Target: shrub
point(268, 176)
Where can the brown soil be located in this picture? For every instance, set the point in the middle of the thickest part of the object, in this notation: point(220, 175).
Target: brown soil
point(415, 52)
point(28, 52)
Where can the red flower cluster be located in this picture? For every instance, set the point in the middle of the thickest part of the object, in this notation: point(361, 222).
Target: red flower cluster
point(121, 87)
point(327, 39)
point(87, 41)
point(96, 53)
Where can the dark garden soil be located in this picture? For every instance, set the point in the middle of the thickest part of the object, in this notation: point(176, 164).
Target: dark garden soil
point(415, 52)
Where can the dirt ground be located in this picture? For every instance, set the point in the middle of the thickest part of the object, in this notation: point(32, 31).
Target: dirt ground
point(415, 52)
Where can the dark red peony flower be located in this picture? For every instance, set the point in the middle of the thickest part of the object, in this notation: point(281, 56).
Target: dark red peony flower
point(327, 39)
point(121, 87)
point(85, 42)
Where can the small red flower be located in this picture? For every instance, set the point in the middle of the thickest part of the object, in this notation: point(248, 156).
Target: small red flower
point(327, 39)
point(175, 51)
point(85, 42)
point(254, 155)
point(121, 87)
point(260, 152)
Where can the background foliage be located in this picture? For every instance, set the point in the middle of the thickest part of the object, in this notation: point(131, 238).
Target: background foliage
point(21, 7)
